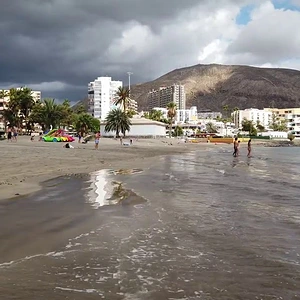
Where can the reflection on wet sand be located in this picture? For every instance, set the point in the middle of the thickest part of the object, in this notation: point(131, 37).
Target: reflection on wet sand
point(104, 190)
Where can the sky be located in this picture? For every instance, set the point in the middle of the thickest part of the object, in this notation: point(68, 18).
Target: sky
point(58, 46)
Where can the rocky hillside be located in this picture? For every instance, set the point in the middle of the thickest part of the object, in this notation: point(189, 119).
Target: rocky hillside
point(213, 86)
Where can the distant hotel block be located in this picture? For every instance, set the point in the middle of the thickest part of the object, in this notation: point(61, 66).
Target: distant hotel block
point(164, 95)
point(101, 95)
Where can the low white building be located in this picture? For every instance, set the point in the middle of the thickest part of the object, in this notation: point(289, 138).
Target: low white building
point(182, 115)
point(263, 117)
point(274, 134)
point(141, 127)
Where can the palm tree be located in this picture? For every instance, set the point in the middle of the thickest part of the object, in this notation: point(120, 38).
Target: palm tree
point(123, 99)
point(118, 121)
point(47, 113)
point(84, 123)
point(171, 115)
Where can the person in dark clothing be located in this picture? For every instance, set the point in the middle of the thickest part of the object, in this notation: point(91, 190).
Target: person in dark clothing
point(235, 147)
point(249, 148)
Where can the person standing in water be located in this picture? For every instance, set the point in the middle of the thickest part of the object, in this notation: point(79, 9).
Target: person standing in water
point(249, 148)
point(97, 139)
point(235, 147)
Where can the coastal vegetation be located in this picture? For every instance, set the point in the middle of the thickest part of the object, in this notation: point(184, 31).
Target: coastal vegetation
point(249, 126)
point(24, 112)
point(123, 98)
point(171, 107)
point(156, 115)
point(117, 121)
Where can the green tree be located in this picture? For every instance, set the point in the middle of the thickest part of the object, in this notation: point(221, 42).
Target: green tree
point(248, 125)
point(156, 115)
point(178, 131)
point(25, 104)
point(277, 124)
point(211, 128)
point(11, 113)
point(123, 99)
point(85, 123)
point(130, 113)
point(260, 127)
point(227, 110)
point(80, 109)
point(47, 113)
point(66, 113)
point(171, 115)
point(117, 121)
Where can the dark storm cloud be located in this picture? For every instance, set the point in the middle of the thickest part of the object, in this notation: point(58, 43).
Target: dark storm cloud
point(53, 40)
point(74, 41)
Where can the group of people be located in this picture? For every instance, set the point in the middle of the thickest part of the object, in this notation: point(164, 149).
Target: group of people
point(12, 134)
point(236, 147)
point(97, 139)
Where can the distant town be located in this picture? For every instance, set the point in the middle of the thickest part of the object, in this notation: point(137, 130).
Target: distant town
point(190, 122)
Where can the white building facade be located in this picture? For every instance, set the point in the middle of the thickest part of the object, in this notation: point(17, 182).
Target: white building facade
point(140, 127)
point(182, 115)
point(101, 95)
point(257, 116)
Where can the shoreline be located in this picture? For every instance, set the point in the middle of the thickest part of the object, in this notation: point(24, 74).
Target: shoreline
point(25, 165)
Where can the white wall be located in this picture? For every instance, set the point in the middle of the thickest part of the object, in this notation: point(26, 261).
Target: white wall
point(274, 134)
point(139, 130)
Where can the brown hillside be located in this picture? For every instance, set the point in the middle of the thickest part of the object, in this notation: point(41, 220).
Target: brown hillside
point(213, 86)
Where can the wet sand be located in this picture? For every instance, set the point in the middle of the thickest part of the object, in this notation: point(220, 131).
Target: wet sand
point(25, 164)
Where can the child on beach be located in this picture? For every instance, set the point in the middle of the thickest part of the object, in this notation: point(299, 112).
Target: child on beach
point(97, 139)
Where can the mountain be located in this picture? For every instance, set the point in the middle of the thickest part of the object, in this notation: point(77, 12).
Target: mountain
point(213, 86)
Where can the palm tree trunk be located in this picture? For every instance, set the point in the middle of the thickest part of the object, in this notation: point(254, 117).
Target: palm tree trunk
point(170, 128)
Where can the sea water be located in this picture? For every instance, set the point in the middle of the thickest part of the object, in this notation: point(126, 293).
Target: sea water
point(203, 225)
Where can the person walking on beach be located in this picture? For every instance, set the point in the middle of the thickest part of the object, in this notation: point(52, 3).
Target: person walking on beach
point(249, 148)
point(97, 139)
point(8, 134)
point(14, 134)
point(79, 137)
point(235, 147)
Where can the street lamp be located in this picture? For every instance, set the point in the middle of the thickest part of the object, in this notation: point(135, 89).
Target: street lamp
point(129, 74)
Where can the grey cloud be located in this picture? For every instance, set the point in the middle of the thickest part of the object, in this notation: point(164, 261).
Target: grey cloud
point(270, 38)
point(74, 41)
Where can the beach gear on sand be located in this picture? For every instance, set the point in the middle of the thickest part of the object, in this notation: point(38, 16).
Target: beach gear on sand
point(57, 135)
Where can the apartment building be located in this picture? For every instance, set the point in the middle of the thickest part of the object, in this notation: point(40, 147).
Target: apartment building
point(182, 115)
point(133, 105)
point(208, 114)
point(290, 115)
point(164, 95)
point(261, 116)
point(101, 95)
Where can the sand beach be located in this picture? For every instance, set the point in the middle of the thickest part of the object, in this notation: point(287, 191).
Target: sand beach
point(26, 164)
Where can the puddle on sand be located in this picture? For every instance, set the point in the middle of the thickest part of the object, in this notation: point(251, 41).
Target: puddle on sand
point(104, 190)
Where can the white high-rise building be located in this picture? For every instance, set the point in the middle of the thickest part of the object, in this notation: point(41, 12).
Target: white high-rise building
point(102, 94)
point(164, 95)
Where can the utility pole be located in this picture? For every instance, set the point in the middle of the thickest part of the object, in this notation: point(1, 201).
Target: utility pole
point(129, 74)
